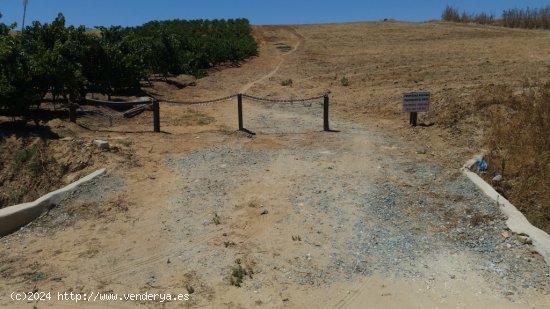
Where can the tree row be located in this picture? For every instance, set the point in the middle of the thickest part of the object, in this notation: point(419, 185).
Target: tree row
point(63, 61)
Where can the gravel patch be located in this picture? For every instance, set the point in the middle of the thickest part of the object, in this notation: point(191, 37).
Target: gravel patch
point(358, 212)
point(275, 118)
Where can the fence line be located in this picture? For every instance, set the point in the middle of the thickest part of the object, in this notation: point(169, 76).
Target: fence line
point(254, 98)
point(197, 103)
point(290, 101)
point(140, 106)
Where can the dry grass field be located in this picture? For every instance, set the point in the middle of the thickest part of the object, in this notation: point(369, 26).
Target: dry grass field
point(374, 215)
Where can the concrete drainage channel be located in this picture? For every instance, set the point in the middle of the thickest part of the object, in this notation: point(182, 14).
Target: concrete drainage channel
point(15, 217)
point(516, 220)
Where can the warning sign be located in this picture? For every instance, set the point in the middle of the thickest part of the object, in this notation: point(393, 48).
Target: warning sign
point(416, 102)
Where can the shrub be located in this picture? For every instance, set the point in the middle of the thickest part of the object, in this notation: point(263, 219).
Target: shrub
point(450, 14)
point(345, 81)
point(238, 273)
point(24, 155)
point(286, 82)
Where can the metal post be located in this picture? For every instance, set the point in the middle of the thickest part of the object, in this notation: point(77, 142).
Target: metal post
point(156, 116)
point(414, 118)
point(240, 110)
point(325, 113)
point(72, 112)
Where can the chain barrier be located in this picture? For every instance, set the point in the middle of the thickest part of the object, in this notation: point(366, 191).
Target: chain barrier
point(203, 103)
point(197, 103)
point(103, 109)
point(289, 101)
point(107, 109)
point(258, 99)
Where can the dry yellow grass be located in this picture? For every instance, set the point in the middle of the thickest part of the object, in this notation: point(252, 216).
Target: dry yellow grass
point(520, 147)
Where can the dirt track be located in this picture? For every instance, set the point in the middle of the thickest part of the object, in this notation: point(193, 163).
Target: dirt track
point(349, 219)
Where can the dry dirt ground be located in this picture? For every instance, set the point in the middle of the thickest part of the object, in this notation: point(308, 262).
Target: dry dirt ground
point(373, 215)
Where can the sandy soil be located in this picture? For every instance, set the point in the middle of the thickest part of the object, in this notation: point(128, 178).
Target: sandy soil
point(375, 215)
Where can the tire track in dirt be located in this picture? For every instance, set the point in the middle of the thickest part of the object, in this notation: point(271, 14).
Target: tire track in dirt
point(148, 260)
point(348, 300)
point(255, 229)
point(202, 239)
point(301, 39)
point(141, 263)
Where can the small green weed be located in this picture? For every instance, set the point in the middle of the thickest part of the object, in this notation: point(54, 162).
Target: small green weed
point(228, 244)
point(286, 82)
point(17, 196)
point(238, 273)
point(23, 156)
point(37, 276)
point(216, 219)
point(345, 81)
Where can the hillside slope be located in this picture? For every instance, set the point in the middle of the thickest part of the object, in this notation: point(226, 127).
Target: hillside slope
point(375, 213)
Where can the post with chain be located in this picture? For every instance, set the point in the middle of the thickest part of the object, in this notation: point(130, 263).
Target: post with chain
point(72, 111)
point(156, 116)
point(325, 113)
point(240, 110)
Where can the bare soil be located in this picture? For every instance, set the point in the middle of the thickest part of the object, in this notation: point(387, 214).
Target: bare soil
point(374, 215)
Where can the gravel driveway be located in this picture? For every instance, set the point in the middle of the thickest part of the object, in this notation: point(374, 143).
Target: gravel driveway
point(313, 208)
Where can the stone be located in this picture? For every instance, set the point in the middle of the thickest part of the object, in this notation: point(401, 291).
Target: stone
point(101, 144)
point(525, 240)
point(264, 212)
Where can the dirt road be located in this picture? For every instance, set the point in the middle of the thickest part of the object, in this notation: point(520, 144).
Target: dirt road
point(358, 218)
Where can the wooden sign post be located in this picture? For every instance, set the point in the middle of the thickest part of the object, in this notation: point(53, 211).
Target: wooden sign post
point(414, 102)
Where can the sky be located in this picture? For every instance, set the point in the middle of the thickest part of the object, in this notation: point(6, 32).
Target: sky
point(260, 12)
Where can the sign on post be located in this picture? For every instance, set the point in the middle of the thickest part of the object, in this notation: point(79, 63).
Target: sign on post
point(414, 102)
